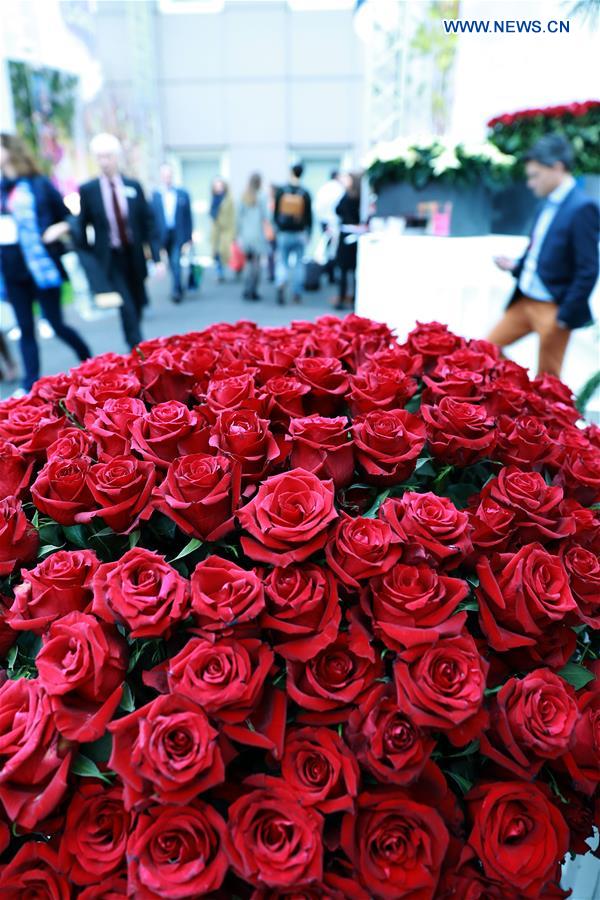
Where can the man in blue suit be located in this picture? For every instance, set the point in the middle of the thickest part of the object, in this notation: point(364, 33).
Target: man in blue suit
point(173, 214)
point(556, 275)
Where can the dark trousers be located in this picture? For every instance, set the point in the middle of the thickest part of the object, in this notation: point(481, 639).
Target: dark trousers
point(125, 281)
point(344, 273)
point(22, 295)
point(251, 272)
point(173, 249)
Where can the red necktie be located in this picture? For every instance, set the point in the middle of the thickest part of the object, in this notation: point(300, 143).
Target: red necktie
point(121, 227)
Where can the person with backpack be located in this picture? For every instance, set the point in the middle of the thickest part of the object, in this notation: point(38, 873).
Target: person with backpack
point(293, 221)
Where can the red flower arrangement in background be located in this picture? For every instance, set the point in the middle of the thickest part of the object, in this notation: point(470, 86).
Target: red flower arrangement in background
point(515, 133)
point(297, 612)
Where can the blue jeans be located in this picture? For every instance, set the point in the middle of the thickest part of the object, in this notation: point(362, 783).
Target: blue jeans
point(290, 245)
point(173, 249)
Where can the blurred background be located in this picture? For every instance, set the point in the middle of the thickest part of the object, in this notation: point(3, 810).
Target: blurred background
point(382, 88)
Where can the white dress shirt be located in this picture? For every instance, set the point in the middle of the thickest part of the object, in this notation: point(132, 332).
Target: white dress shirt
point(169, 201)
point(530, 282)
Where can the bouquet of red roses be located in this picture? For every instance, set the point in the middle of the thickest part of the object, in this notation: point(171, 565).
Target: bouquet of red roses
point(297, 612)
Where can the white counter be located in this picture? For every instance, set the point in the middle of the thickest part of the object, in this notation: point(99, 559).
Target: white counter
point(405, 278)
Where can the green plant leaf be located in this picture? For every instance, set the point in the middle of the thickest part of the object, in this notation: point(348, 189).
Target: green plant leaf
point(191, 545)
point(576, 675)
point(75, 534)
point(463, 783)
point(134, 538)
point(127, 702)
point(373, 510)
point(87, 768)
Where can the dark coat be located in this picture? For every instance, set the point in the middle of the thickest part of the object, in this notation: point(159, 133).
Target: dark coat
point(140, 220)
point(348, 210)
point(568, 258)
point(183, 218)
point(49, 209)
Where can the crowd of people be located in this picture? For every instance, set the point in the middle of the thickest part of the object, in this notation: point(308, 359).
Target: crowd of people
point(115, 231)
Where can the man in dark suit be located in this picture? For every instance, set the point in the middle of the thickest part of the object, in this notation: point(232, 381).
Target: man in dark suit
point(173, 214)
point(556, 275)
point(116, 209)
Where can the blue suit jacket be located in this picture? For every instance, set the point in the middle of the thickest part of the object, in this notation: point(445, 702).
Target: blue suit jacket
point(183, 217)
point(568, 259)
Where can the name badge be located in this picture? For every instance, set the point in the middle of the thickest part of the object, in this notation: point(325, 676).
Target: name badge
point(8, 230)
point(130, 192)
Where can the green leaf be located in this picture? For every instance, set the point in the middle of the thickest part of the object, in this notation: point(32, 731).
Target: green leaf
point(49, 548)
point(576, 675)
point(87, 768)
point(191, 545)
point(134, 538)
point(463, 783)
point(469, 605)
point(127, 702)
point(99, 751)
point(425, 468)
point(372, 512)
point(414, 403)
point(11, 656)
point(75, 534)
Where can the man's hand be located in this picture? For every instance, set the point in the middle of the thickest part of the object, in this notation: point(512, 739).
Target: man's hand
point(505, 263)
point(185, 248)
point(55, 232)
point(160, 270)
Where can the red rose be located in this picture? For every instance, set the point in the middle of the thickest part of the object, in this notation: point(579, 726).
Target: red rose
point(302, 610)
point(114, 888)
point(457, 432)
point(583, 759)
point(167, 431)
point(72, 443)
point(273, 839)
point(532, 720)
point(103, 386)
point(177, 852)
point(82, 665)
point(236, 392)
point(535, 505)
point(450, 381)
point(387, 445)
point(164, 377)
point(246, 438)
point(580, 474)
point(338, 677)
point(110, 424)
point(35, 760)
point(518, 834)
point(34, 872)
point(221, 674)
point(200, 493)
point(15, 470)
point(287, 519)
point(122, 487)
point(492, 526)
point(166, 752)
point(60, 584)
point(323, 446)
point(283, 397)
point(386, 740)
point(443, 685)
point(31, 425)
point(94, 839)
point(432, 339)
point(319, 767)
point(583, 568)
point(376, 387)
point(61, 490)
point(328, 382)
point(360, 548)
point(523, 442)
point(224, 595)
point(19, 540)
point(396, 846)
point(521, 595)
point(141, 591)
point(414, 605)
point(433, 530)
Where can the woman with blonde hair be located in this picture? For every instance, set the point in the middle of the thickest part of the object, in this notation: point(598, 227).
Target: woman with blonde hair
point(33, 219)
point(222, 213)
point(253, 222)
